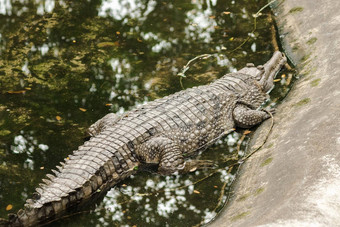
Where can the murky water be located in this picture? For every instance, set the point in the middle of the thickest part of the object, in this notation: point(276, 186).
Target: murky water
point(65, 64)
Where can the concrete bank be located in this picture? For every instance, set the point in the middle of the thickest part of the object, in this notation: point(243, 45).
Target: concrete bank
point(294, 180)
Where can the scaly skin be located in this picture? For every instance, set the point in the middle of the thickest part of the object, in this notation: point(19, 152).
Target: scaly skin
point(161, 132)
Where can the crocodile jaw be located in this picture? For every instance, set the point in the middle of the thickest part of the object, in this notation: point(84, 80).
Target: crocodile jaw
point(266, 73)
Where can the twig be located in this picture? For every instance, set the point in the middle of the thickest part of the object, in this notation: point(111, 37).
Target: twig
point(274, 39)
point(205, 56)
point(255, 24)
point(187, 66)
point(273, 33)
point(239, 143)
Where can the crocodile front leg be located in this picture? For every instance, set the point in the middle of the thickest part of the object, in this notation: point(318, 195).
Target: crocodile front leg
point(166, 153)
point(245, 117)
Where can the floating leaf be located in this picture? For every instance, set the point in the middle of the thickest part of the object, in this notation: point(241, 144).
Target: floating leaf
point(4, 132)
point(42, 167)
point(193, 169)
point(231, 39)
point(124, 185)
point(108, 104)
point(283, 75)
point(16, 92)
point(226, 13)
point(107, 44)
point(9, 207)
point(58, 118)
point(118, 32)
point(212, 17)
point(196, 192)
point(276, 80)
point(82, 109)
point(215, 186)
point(246, 132)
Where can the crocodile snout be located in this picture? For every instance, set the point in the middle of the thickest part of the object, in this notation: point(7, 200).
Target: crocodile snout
point(271, 68)
point(266, 73)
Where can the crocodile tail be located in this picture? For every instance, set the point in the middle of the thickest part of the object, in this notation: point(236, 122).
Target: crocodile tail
point(91, 171)
point(34, 215)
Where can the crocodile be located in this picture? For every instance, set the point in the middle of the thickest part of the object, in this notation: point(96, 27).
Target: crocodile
point(160, 133)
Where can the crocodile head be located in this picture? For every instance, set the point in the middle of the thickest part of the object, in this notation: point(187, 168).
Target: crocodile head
point(266, 73)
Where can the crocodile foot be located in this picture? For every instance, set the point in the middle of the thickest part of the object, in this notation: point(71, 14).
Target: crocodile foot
point(270, 110)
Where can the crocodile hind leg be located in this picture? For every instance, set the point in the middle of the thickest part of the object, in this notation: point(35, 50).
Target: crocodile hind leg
point(109, 120)
point(166, 153)
point(245, 117)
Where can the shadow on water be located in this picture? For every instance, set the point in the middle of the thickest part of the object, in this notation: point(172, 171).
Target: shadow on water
point(65, 64)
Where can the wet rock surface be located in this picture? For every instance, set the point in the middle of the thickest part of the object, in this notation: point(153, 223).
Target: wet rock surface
point(294, 179)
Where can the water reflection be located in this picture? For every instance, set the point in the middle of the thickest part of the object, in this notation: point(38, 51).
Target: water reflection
point(64, 64)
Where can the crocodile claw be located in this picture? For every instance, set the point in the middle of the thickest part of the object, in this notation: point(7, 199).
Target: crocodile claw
point(270, 110)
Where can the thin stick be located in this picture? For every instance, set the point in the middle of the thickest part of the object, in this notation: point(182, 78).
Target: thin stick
point(255, 24)
point(187, 66)
point(205, 56)
point(274, 40)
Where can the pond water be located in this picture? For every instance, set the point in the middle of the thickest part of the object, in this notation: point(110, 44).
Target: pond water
point(65, 64)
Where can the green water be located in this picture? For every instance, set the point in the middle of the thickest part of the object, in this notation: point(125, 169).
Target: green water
point(65, 64)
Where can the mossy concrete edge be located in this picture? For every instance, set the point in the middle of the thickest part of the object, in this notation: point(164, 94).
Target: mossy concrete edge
point(300, 185)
